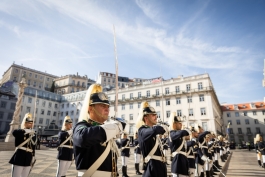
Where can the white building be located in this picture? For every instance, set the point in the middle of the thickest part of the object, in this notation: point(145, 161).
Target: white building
point(246, 120)
point(192, 98)
point(263, 82)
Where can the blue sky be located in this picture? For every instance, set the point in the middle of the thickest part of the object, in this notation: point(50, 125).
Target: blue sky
point(225, 38)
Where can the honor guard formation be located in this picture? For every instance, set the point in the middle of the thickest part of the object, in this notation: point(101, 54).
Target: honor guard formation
point(94, 144)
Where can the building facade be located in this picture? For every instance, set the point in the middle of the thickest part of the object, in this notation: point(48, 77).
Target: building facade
point(192, 98)
point(246, 120)
point(36, 79)
point(71, 83)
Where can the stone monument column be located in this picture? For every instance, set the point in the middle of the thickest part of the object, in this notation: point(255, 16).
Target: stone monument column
point(15, 121)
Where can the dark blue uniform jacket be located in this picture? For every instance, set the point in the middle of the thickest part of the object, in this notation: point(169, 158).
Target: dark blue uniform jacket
point(190, 145)
point(180, 164)
point(21, 157)
point(125, 151)
point(261, 146)
point(137, 149)
point(87, 140)
point(64, 152)
point(147, 139)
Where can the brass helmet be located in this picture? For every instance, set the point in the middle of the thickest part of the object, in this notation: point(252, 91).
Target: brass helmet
point(27, 118)
point(145, 109)
point(173, 118)
point(94, 95)
point(67, 119)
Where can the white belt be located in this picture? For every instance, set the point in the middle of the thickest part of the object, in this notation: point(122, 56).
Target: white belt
point(97, 173)
point(204, 147)
point(67, 146)
point(155, 157)
point(180, 152)
point(25, 149)
point(190, 156)
point(125, 148)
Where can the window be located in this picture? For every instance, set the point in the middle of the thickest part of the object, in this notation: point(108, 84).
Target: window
point(55, 105)
point(168, 114)
point(28, 109)
point(131, 95)
point(29, 82)
point(1, 115)
point(16, 71)
point(190, 112)
point(256, 121)
point(29, 100)
point(10, 115)
point(47, 121)
point(248, 130)
point(201, 97)
point(246, 121)
point(139, 95)
point(12, 106)
point(131, 105)
point(178, 100)
point(54, 113)
point(43, 103)
point(14, 79)
point(188, 87)
point(131, 129)
point(34, 84)
point(237, 114)
point(167, 102)
point(228, 114)
point(177, 89)
point(166, 90)
point(263, 112)
point(238, 122)
point(254, 113)
point(41, 121)
point(139, 104)
point(148, 93)
point(245, 113)
point(200, 86)
point(36, 110)
point(157, 102)
point(123, 97)
point(257, 130)
point(189, 99)
point(239, 131)
point(203, 111)
point(158, 114)
point(49, 113)
point(42, 112)
point(229, 121)
point(131, 116)
point(66, 113)
point(61, 114)
point(61, 122)
point(48, 79)
point(3, 104)
point(204, 126)
point(123, 107)
point(179, 113)
point(67, 105)
point(157, 91)
point(231, 131)
point(36, 76)
point(77, 112)
point(123, 116)
point(62, 105)
point(72, 113)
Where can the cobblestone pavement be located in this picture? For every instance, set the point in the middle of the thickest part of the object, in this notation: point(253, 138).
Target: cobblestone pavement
point(244, 164)
point(46, 164)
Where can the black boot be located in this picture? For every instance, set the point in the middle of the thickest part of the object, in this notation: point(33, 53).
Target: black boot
point(222, 158)
point(212, 172)
point(264, 165)
point(259, 162)
point(208, 174)
point(217, 164)
point(124, 171)
point(137, 169)
point(202, 174)
point(215, 169)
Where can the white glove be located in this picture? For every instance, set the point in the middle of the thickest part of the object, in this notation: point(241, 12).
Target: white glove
point(111, 129)
point(165, 128)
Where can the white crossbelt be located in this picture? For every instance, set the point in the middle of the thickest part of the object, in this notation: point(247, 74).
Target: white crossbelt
point(97, 173)
point(204, 147)
point(190, 156)
point(25, 149)
point(155, 157)
point(179, 152)
point(67, 146)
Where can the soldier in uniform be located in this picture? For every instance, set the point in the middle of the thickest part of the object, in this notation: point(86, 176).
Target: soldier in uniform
point(216, 150)
point(221, 145)
point(25, 141)
point(261, 148)
point(65, 149)
point(125, 153)
point(192, 146)
point(256, 141)
point(150, 143)
point(137, 154)
point(178, 147)
point(95, 149)
point(165, 146)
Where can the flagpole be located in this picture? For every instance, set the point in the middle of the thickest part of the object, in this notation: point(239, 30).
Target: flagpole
point(116, 78)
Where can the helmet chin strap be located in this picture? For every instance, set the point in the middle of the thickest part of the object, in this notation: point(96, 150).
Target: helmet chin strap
point(98, 114)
